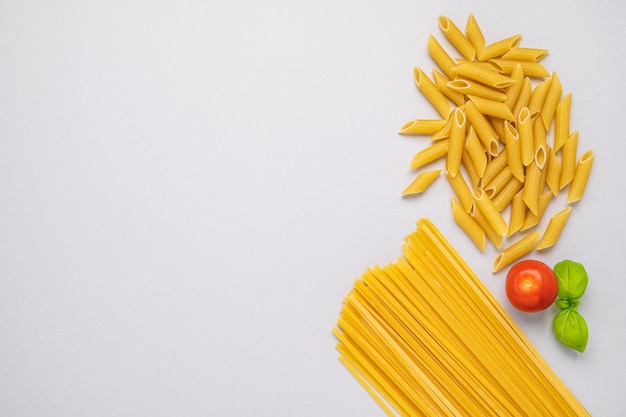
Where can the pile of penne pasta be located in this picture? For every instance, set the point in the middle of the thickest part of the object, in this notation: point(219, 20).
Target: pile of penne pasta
point(504, 135)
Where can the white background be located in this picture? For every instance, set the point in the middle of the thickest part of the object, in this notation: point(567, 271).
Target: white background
point(189, 188)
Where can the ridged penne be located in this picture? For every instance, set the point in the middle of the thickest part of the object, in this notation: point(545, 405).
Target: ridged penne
point(568, 160)
point(457, 38)
point(475, 34)
point(553, 174)
point(440, 56)
point(493, 187)
point(495, 165)
point(491, 234)
point(422, 127)
point(513, 151)
point(431, 92)
point(476, 151)
point(503, 198)
point(512, 91)
point(482, 75)
point(431, 153)
point(525, 54)
point(538, 96)
point(499, 48)
point(553, 96)
point(488, 209)
point(461, 190)
point(442, 84)
point(527, 141)
point(421, 182)
point(492, 108)
point(562, 121)
point(468, 87)
point(518, 249)
point(468, 224)
point(529, 68)
point(523, 98)
point(554, 228)
point(581, 175)
point(483, 128)
point(531, 187)
point(518, 213)
point(457, 142)
point(533, 219)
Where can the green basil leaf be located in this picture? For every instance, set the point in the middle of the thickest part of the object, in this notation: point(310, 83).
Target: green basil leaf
point(570, 328)
point(571, 279)
point(563, 304)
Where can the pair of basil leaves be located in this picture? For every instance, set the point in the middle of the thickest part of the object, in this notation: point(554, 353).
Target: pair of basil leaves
point(569, 326)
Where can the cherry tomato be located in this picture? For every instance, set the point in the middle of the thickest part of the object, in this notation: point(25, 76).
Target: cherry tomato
point(531, 286)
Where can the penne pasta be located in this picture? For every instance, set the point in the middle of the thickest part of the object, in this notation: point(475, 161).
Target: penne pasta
point(553, 96)
point(475, 34)
point(539, 133)
point(422, 127)
point(421, 182)
point(491, 234)
point(472, 88)
point(488, 209)
point(499, 48)
point(561, 121)
point(553, 174)
point(468, 224)
point(513, 91)
point(526, 139)
point(554, 228)
point(444, 132)
point(482, 75)
point(581, 175)
point(441, 81)
point(461, 190)
point(518, 249)
point(471, 169)
point(513, 151)
point(457, 142)
point(503, 198)
point(538, 96)
point(531, 187)
point(440, 56)
point(492, 108)
point(457, 38)
point(431, 153)
point(529, 68)
point(494, 166)
point(493, 187)
point(518, 213)
point(568, 160)
point(525, 54)
point(483, 128)
point(533, 219)
point(476, 151)
point(431, 92)
point(523, 97)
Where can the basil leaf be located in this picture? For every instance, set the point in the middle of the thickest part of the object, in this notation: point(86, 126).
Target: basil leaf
point(570, 328)
point(571, 279)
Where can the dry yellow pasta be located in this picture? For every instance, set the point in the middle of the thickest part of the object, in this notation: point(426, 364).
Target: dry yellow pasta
point(493, 187)
point(491, 234)
point(468, 87)
point(482, 75)
point(492, 108)
point(504, 197)
point(431, 92)
point(422, 127)
point(495, 165)
point(457, 142)
point(440, 56)
point(553, 96)
point(553, 174)
point(457, 38)
point(533, 219)
point(488, 209)
point(476, 151)
point(442, 84)
point(538, 96)
point(431, 153)
point(513, 151)
point(523, 97)
point(554, 228)
point(568, 160)
point(530, 69)
point(539, 133)
point(483, 128)
point(518, 213)
point(581, 175)
point(472, 173)
point(526, 138)
point(516, 250)
point(531, 189)
point(499, 48)
point(421, 182)
point(562, 121)
point(525, 54)
point(512, 91)
point(475, 34)
point(468, 224)
point(461, 190)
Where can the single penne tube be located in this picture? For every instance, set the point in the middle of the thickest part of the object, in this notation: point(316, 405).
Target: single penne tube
point(581, 175)
point(568, 160)
point(506, 194)
point(431, 153)
point(532, 219)
point(552, 99)
point(530, 69)
point(541, 156)
point(553, 174)
point(531, 190)
point(562, 121)
point(431, 92)
point(461, 190)
point(474, 34)
point(539, 133)
point(494, 166)
point(491, 234)
point(523, 97)
point(512, 92)
point(470, 168)
point(492, 108)
point(457, 38)
point(525, 54)
point(515, 251)
point(499, 48)
point(440, 56)
point(554, 228)
point(421, 182)
point(527, 141)
point(484, 65)
point(538, 96)
point(468, 224)
point(444, 132)
point(488, 209)
point(483, 128)
point(476, 151)
point(422, 127)
point(472, 88)
point(513, 150)
point(493, 187)
point(518, 213)
point(482, 75)
point(441, 82)
point(457, 142)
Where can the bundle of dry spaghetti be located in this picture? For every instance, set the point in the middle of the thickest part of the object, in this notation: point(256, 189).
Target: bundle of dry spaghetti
point(498, 105)
point(425, 337)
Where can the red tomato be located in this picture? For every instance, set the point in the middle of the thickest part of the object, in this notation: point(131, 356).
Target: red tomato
point(531, 286)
